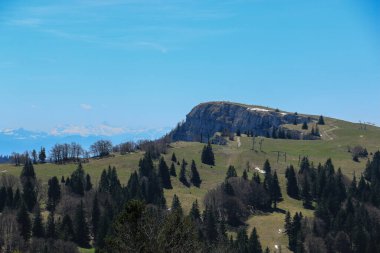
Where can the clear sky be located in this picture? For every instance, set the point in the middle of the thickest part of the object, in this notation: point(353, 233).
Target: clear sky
point(146, 63)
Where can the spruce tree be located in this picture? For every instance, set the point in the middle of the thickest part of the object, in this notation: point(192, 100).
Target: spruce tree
point(164, 175)
point(195, 214)
point(3, 198)
point(231, 172)
point(66, 230)
point(77, 181)
point(172, 170)
point(254, 245)
point(24, 222)
point(182, 174)
point(291, 182)
point(267, 168)
point(245, 175)
point(28, 181)
point(54, 193)
point(50, 226)
point(195, 178)
point(81, 230)
point(209, 224)
point(305, 126)
point(146, 166)
point(38, 230)
point(174, 158)
point(9, 201)
point(88, 186)
point(176, 205)
point(42, 155)
point(95, 216)
point(321, 120)
point(208, 155)
point(17, 201)
point(305, 194)
point(288, 223)
point(275, 190)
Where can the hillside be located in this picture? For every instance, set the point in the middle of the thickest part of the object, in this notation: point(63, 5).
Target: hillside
point(336, 136)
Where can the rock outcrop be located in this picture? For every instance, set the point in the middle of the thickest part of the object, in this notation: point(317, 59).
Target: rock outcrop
point(206, 119)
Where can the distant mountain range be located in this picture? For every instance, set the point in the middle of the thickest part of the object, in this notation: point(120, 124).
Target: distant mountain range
point(20, 140)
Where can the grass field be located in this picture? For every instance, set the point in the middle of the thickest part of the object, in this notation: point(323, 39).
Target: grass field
point(336, 136)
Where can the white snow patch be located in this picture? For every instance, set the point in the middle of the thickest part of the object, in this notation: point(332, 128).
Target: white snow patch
point(283, 113)
point(258, 109)
point(260, 170)
point(276, 246)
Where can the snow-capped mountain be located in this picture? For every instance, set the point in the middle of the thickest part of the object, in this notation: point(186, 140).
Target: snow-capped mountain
point(20, 140)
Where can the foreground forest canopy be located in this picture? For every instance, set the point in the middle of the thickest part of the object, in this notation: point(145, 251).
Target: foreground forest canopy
point(243, 193)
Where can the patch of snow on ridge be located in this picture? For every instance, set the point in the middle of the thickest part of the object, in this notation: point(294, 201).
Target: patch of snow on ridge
point(258, 109)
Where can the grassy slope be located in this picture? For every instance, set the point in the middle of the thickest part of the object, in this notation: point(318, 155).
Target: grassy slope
point(336, 136)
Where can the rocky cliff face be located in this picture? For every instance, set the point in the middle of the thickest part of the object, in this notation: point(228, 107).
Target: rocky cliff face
point(208, 118)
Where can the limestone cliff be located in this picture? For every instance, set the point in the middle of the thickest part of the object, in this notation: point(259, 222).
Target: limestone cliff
point(206, 119)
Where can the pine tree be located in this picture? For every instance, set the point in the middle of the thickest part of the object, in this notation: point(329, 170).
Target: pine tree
point(77, 181)
point(195, 178)
point(208, 155)
point(54, 193)
point(81, 230)
point(104, 184)
point(24, 222)
point(209, 224)
point(305, 126)
point(88, 186)
point(288, 223)
point(245, 175)
point(321, 120)
point(42, 155)
point(3, 198)
point(50, 227)
point(291, 182)
point(172, 170)
point(174, 158)
point(146, 166)
point(176, 205)
point(28, 181)
point(164, 175)
point(231, 172)
point(305, 194)
point(95, 216)
point(62, 180)
point(38, 227)
point(66, 229)
point(227, 188)
point(9, 202)
point(17, 201)
point(195, 214)
point(254, 245)
point(267, 168)
point(241, 243)
point(34, 156)
point(182, 174)
point(275, 190)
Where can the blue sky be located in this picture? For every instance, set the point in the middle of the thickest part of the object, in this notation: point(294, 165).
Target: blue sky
point(146, 63)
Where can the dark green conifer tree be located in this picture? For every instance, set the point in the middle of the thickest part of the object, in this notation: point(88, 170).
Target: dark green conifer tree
point(182, 174)
point(50, 227)
point(172, 170)
point(275, 190)
point(54, 194)
point(195, 178)
point(305, 126)
point(321, 120)
point(291, 182)
point(81, 230)
point(254, 245)
point(23, 220)
point(208, 155)
point(88, 185)
point(174, 158)
point(95, 216)
point(245, 175)
point(305, 194)
point(195, 214)
point(3, 198)
point(38, 229)
point(164, 175)
point(66, 230)
point(231, 172)
point(176, 205)
point(9, 202)
point(28, 181)
point(77, 181)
